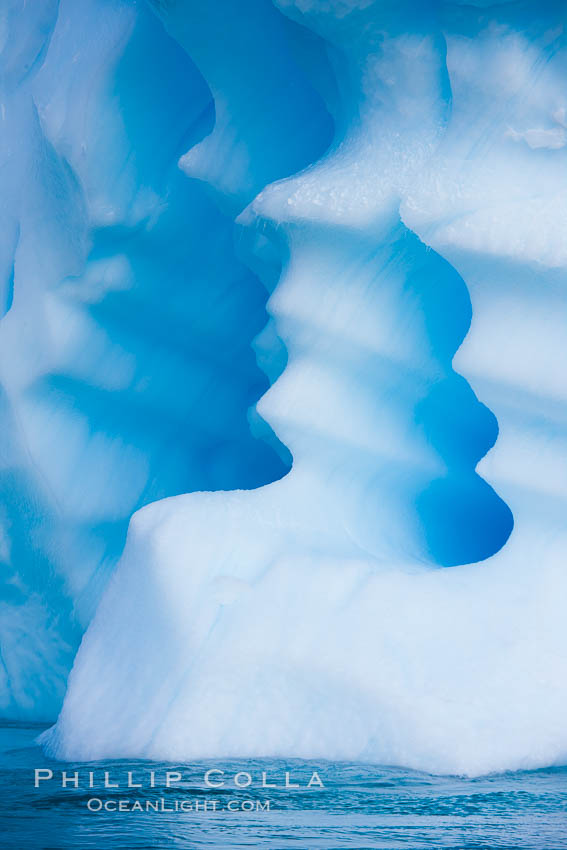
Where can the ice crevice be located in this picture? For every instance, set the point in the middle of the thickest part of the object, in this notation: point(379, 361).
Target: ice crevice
point(307, 617)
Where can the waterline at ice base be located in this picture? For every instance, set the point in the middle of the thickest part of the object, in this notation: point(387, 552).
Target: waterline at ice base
point(286, 294)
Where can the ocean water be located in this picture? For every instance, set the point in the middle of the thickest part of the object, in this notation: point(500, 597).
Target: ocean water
point(359, 806)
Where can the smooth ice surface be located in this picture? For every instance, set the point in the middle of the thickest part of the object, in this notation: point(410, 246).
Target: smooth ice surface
point(393, 174)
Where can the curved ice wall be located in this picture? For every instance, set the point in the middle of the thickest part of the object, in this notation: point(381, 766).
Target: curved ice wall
point(126, 367)
point(306, 617)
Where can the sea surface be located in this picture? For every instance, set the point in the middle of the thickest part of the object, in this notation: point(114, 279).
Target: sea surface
point(360, 806)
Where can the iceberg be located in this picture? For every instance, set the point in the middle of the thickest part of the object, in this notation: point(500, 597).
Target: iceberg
point(369, 196)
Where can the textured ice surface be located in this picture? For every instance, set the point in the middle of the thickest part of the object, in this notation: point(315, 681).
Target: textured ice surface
point(126, 369)
point(397, 174)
